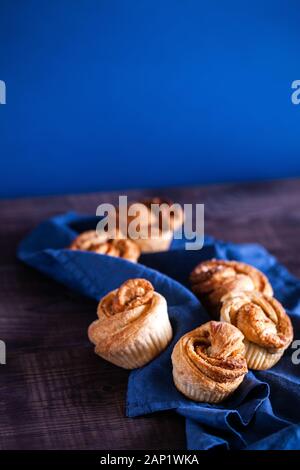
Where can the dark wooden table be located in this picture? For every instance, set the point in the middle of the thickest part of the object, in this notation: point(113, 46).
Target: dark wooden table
point(44, 324)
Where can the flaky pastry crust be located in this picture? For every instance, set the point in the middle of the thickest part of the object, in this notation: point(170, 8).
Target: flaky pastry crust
point(209, 363)
point(91, 240)
point(264, 323)
point(213, 279)
point(133, 325)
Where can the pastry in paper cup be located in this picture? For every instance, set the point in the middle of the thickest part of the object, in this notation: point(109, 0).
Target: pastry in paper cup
point(133, 325)
point(264, 323)
point(212, 279)
point(209, 362)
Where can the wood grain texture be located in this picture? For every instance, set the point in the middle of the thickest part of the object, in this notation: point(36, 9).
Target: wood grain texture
point(54, 392)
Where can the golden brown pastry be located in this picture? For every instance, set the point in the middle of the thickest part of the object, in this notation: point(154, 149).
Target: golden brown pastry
point(91, 240)
point(264, 323)
point(213, 279)
point(147, 219)
point(209, 362)
point(133, 325)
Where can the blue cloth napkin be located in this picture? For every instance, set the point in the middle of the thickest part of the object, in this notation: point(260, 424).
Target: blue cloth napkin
point(264, 412)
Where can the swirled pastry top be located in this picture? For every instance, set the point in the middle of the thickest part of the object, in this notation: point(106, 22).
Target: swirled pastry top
point(132, 294)
point(214, 350)
point(124, 312)
point(260, 318)
point(215, 278)
point(91, 240)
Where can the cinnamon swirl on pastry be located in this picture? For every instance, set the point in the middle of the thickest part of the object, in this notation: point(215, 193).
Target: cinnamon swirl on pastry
point(264, 323)
point(213, 279)
point(91, 240)
point(209, 362)
point(133, 325)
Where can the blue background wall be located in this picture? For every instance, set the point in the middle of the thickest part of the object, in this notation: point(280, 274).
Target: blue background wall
point(130, 93)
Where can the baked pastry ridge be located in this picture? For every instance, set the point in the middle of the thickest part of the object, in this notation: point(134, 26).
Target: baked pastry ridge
point(133, 325)
point(91, 240)
point(265, 324)
point(213, 279)
point(209, 363)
